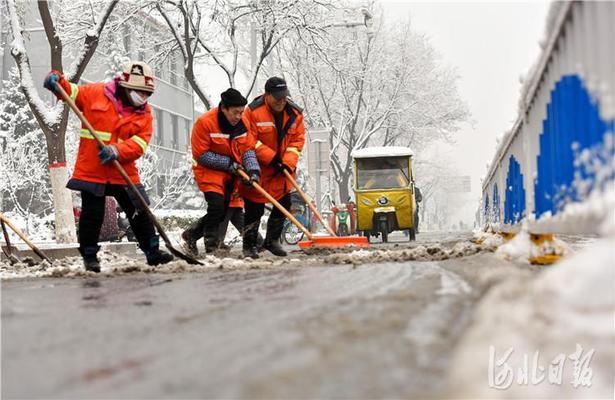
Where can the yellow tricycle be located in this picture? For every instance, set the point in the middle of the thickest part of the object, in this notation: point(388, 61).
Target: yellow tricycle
point(384, 191)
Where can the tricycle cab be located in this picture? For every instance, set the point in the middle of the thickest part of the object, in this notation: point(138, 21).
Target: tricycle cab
point(384, 190)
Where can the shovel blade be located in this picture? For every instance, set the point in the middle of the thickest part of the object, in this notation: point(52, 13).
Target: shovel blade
point(334, 241)
point(185, 257)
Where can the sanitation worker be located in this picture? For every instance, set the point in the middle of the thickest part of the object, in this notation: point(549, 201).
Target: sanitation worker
point(220, 147)
point(119, 113)
point(276, 124)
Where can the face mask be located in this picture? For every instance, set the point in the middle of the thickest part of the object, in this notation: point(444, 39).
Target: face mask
point(136, 99)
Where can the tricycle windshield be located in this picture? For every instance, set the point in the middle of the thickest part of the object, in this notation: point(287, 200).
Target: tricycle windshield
point(382, 173)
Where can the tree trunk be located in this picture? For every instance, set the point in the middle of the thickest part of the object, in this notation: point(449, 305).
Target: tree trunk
point(58, 173)
point(343, 187)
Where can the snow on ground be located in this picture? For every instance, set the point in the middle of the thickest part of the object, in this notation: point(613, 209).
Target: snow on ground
point(113, 263)
point(564, 315)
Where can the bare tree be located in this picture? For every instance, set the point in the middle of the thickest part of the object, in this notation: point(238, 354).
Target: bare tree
point(381, 87)
point(53, 119)
point(224, 32)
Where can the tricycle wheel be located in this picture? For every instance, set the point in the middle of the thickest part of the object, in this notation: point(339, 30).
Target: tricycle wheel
point(384, 229)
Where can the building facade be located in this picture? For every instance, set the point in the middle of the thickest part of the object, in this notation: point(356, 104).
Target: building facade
point(172, 103)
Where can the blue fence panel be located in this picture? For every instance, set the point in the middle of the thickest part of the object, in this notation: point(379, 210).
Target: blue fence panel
point(496, 204)
point(514, 202)
point(487, 209)
point(572, 125)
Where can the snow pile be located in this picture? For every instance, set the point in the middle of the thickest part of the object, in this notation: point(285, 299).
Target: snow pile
point(522, 249)
point(562, 318)
point(418, 253)
point(488, 240)
point(116, 264)
point(112, 263)
point(596, 214)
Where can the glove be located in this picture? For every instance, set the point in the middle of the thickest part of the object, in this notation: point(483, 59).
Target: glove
point(51, 80)
point(234, 167)
point(254, 176)
point(277, 163)
point(108, 153)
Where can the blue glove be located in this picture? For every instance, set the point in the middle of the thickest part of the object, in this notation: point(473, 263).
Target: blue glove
point(108, 153)
point(51, 80)
point(253, 177)
point(234, 168)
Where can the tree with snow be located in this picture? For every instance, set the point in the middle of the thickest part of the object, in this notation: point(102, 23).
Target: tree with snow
point(228, 33)
point(372, 88)
point(86, 21)
point(22, 148)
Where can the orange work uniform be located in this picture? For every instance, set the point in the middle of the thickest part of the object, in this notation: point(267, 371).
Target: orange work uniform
point(207, 136)
point(287, 143)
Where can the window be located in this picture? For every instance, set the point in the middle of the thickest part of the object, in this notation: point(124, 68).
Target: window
point(175, 128)
point(188, 132)
point(173, 69)
point(382, 173)
point(159, 128)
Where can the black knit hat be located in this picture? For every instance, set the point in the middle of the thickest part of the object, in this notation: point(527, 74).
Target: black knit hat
point(232, 98)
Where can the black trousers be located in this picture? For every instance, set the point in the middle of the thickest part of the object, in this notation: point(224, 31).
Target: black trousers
point(217, 205)
point(93, 213)
point(255, 211)
point(233, 215)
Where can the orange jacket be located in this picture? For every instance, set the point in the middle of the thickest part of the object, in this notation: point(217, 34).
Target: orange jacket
point(127, 128)
point(265, 136)
point(236, 199)
point(207, 136)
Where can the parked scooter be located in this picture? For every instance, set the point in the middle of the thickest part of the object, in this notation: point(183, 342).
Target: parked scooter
point(342, 221)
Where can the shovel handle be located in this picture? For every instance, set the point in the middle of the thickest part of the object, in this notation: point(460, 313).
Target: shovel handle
point(275, 203)
point(308, 202)
point(23, 237)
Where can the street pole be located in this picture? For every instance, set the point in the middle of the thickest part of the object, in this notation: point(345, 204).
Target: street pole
point(318, 173)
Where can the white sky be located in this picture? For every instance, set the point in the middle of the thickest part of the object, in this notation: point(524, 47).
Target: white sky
point(490, 44)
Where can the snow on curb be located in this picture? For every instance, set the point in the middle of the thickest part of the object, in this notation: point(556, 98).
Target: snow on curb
point(567, 308)
point(115, 264)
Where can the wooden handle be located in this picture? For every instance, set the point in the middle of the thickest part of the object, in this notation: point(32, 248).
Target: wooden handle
point(275, 203)
point(24, 238)
point(308, 202)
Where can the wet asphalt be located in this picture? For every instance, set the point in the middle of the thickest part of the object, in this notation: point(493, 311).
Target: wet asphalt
point(317, 331)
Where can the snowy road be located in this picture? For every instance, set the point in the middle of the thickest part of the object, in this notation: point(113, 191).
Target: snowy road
point(370, 330)
point(376, 330)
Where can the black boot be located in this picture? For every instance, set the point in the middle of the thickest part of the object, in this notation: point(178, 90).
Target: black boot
point(90, 261)
point(250, 248)
point(272, 239)
point(212, 241)
point(191, 235)
point(153, 254)
point(188, 243)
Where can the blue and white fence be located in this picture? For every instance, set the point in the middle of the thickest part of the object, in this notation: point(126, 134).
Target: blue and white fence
point(561, 148)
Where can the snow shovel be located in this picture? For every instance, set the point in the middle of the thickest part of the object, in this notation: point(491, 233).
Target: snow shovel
point(342, 241)
point(5, 222)
point(133, 188)
point(313, 241)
